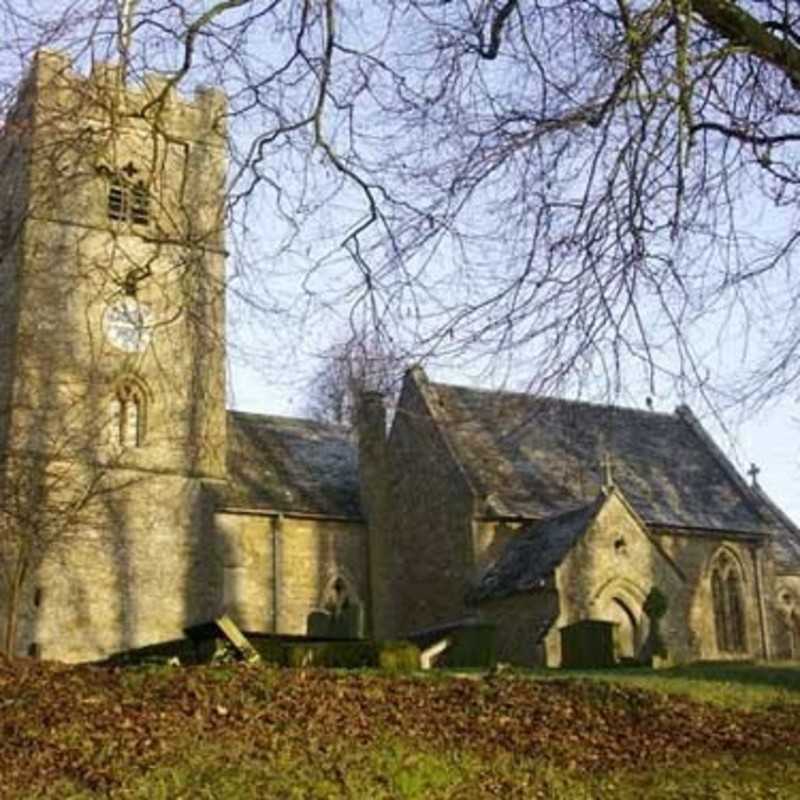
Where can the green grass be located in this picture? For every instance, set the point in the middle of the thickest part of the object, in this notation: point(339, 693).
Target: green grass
point(225, 733)
point(742, 686)
point(398, 771)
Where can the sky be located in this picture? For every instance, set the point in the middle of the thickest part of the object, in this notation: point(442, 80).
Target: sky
point(275, 351)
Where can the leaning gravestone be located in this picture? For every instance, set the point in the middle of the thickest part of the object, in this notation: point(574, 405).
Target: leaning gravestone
point(225, 629)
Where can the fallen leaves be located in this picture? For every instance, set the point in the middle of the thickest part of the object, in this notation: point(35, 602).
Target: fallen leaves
point(96, 725)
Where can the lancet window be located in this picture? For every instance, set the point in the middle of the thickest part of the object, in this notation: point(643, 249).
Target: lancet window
point(128, 413)
point(727, 594)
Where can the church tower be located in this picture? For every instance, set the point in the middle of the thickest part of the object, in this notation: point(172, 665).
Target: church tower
point(112, 376)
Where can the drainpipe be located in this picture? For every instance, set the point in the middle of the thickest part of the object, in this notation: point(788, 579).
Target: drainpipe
point(277, 529)
point(760, 596)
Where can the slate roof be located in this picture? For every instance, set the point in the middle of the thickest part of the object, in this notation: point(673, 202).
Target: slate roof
point(532, 554)
point(293, 465)
point(538, 457)
point(787, 539)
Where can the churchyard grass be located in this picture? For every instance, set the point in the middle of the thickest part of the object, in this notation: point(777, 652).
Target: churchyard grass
point(243, 732)
point(745, 685)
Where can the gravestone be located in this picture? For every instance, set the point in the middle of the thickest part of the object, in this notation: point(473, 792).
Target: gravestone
point(588, 644)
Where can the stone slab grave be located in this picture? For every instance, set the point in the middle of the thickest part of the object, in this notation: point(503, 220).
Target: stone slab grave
point(223, 629)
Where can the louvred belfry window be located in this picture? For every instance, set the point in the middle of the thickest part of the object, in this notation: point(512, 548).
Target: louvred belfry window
point(117, 200)
point(140, 204)
point(128, 198)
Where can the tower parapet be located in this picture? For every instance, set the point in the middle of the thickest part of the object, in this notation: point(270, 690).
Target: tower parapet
point(105, 98)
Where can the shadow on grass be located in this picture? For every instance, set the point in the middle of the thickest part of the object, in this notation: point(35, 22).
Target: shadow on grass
point(780, 676)
point(745, 686)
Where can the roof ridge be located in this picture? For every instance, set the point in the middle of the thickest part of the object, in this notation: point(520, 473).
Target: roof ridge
point(553, 399)
point(782, 516)
point(425, 387)
point(685, 414)
point(234, 412)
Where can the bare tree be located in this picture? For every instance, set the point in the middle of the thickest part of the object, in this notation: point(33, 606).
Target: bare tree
point(348, 369)
point(585, 185)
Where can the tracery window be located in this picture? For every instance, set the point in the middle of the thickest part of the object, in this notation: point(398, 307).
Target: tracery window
point(128, 410)
point(727, 596)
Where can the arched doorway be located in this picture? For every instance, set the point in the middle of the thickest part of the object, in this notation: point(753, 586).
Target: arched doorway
point(627, 631)
point(620, 601)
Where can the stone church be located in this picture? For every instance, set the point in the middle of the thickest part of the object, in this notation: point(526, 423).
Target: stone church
point(134, 505)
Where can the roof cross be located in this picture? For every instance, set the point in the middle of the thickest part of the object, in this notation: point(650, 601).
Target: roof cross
point(753, 473)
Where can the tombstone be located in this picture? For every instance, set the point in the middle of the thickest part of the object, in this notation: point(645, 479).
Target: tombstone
point(319, 625)
point(588, 644)
point(223, 629)
point(349, 622)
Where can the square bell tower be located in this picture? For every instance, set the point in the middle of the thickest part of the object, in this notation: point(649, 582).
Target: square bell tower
point(112, 371)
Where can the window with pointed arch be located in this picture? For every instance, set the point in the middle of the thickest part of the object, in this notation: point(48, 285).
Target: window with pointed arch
point(727, 596)
point(128, 414)
point(346, 613)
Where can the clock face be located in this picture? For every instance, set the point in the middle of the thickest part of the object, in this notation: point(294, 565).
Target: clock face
point(128, 325)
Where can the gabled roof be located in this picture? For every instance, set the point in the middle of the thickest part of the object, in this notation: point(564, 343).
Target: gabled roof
point(291, 465)
point(537, 457)
point(787, 535)
point(531, 555)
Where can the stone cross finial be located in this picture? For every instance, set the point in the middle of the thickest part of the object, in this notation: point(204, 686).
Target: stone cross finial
point(753, 473)
point(607, 466)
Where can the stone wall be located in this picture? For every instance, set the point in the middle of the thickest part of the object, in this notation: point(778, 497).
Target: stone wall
point(489, 538)
point(429, 525)
point(138, 572)
point(279, 569)
point(694, 555)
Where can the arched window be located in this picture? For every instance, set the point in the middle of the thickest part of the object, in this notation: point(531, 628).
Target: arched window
point(117, 199)
point(128, 412)
point(727, 597)
point(140, 204)
point(341, 615)
point(338, 598)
